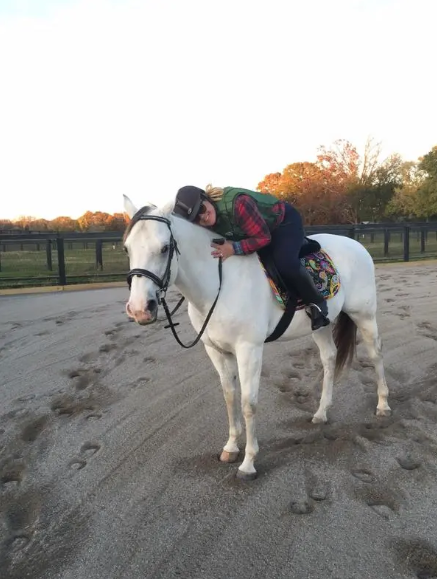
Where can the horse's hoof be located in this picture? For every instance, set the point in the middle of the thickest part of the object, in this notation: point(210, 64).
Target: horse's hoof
point(319, 420)
point(246, 476)
point(229, 456)
point(383, 412)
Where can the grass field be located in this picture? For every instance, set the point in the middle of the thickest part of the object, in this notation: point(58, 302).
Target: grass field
point(80, 264)
point(396, 246)
point(24, 265)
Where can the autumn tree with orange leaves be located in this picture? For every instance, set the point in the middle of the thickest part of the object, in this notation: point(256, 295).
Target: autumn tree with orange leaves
point(64, 223)
point(340, 186)
point(318, 190)
point(100, 221)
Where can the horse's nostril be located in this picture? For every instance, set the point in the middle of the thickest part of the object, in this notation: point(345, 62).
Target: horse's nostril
point(152, 305)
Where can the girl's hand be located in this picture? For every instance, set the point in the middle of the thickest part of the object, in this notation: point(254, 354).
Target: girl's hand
point(224, 251)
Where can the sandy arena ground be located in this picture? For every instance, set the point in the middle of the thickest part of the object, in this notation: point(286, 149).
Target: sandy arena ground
point(109, 435)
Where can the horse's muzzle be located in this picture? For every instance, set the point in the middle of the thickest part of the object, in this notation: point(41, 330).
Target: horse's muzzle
point(146, 316)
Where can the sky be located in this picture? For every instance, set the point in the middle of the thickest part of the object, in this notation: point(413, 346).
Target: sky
point(101, 98)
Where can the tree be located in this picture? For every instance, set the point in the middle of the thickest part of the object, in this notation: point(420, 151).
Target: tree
point(64, 223)
point(271, 184)
point(404, 202)
point(339, 187)
point(416, 196)
point(40, 225)
point(96, 221)
point(371, 195)
point(427, 194)
point(313, 189)
point(116, 222)
point(24, 222)
point(340, 163)
point(367, 184)
point(6, 224)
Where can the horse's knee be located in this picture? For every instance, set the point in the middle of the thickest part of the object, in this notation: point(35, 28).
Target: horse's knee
point(229, 394)
point(248, 407)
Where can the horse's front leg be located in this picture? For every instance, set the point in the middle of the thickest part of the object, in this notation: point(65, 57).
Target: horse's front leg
point(226, 366)
point(249, 359)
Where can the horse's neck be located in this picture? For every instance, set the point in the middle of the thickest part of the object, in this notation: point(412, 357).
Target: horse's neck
point(197, 277)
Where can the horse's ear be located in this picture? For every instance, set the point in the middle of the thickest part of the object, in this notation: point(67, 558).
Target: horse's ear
point(129, 207)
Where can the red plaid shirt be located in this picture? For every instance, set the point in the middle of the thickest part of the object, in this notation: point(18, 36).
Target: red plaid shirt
point(250, 220)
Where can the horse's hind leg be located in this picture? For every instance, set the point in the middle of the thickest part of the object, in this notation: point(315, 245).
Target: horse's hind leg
point(226, 366)
point(369, 331)
point(328, 353)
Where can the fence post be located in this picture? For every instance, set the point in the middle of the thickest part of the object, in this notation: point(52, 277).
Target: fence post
point(422, 240)
point(99, 254)
point(406, 243)
point(49, 254)
point(61, 261)
point(351, 232)
point(386, 241)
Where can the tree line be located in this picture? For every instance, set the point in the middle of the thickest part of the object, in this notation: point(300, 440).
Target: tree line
point(340, 186)
point(89, 221)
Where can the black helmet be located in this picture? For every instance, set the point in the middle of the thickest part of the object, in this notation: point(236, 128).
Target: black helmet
point(188, 202)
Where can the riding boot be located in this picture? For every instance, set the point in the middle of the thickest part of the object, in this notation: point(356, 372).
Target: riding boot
point(318, 310)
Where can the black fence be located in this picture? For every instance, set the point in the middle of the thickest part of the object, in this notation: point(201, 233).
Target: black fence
point(32, 259)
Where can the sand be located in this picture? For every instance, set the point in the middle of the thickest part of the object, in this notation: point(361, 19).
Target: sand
point(109, 435)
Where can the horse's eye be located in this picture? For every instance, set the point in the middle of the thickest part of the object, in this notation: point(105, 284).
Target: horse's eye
point(164, 249)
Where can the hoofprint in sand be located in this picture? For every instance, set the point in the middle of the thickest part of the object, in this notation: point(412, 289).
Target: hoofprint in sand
point(109, 437)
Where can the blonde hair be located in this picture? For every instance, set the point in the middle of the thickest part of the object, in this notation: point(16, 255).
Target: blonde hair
point(214, 193)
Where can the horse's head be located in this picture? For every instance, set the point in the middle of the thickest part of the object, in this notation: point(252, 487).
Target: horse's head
point(152, 249)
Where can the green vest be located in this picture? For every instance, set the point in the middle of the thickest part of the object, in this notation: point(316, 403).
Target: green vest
point(225, 223)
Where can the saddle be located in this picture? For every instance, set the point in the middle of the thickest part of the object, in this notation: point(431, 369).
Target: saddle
point(309, 247)
point(324, 274)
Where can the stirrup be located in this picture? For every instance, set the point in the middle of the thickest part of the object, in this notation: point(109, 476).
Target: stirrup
point(318, 318)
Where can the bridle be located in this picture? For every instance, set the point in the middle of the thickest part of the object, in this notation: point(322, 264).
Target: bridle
point(164, 282)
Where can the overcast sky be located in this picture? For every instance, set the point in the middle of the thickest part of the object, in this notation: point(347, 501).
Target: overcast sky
point(104, 97)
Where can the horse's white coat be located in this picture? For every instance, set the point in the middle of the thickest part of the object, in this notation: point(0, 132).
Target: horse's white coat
point(247, 312)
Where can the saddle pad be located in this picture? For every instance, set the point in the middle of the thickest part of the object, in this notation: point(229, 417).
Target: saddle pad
point(323, 272)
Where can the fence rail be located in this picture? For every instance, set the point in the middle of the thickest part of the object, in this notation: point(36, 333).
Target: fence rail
point(31, 259)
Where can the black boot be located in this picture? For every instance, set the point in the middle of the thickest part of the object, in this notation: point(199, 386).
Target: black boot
point(318, 310)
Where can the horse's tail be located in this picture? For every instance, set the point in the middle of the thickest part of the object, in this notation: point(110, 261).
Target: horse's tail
point(345, 338)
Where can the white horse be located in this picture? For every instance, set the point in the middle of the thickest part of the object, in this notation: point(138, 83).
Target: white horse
point(247, 312)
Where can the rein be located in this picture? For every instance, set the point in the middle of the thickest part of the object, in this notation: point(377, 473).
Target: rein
point(163, 282)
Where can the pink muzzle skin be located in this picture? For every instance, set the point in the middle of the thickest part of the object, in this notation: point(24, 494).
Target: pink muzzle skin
point(142, 317)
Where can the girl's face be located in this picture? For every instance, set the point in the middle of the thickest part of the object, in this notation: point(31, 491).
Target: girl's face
point(207, 215)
